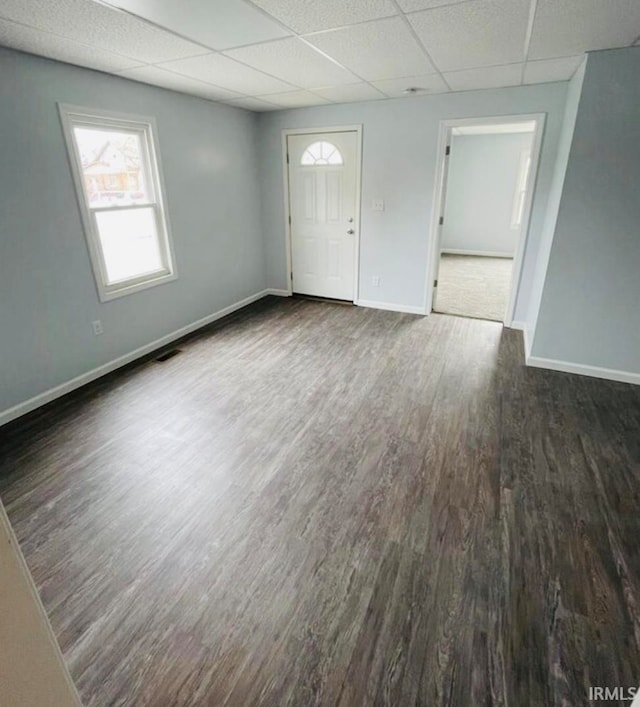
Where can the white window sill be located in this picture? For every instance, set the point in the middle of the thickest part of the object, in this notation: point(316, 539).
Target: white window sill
point(116, 291)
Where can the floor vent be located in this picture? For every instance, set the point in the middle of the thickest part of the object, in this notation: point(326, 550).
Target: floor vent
point(167, 355)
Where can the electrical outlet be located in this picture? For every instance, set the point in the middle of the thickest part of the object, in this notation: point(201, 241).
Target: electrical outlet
point(378, 204)
point(97, 327)
point(375, 281)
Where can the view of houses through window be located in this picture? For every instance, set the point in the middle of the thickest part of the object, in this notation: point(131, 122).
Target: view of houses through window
point(111, 166)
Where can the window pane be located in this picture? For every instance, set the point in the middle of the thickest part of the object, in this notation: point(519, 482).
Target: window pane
point(112, 167)
point(129, 242)
point(321, 153)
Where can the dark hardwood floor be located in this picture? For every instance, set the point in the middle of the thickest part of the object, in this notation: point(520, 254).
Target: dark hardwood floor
point(324, 505)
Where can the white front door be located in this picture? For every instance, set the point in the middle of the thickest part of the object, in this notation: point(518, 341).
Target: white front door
point(322, 196)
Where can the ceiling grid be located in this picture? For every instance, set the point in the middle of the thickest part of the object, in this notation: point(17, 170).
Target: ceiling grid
point(275, 54)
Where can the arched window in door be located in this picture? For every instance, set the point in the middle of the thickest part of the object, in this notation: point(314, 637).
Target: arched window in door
point(321, 153)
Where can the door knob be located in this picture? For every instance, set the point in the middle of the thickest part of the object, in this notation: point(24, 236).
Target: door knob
point(351, 231)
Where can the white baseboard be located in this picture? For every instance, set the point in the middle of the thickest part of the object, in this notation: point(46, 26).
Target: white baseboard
point(580, 369)
point(484, 253)
point(583, 370)
point(566, 367)
point(406, 308)
point(48, 395)
point(278, 293)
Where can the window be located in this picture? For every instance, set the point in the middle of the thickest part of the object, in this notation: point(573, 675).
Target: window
point(117, 179)
point(321, 153)
point(521, 189)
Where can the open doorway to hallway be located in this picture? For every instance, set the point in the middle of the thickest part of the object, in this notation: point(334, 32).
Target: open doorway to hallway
point(487, 180)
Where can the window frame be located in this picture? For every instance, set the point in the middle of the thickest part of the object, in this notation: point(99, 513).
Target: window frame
point(72, 116)
point(522, 183)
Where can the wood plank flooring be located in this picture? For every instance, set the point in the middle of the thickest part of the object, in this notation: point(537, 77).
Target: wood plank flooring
point(322, 505)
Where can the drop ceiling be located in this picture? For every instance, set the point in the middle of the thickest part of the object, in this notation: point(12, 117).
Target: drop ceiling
point(273, 54)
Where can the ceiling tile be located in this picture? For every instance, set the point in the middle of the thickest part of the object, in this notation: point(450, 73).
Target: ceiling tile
point(295, 99)
point(311, 15)
point(254, 104)
point(225, 72)
point(546, 70)
point(295, 62)
point(350, 93)
point(383, 49)
point(100, 26)
point(167, 79)
point(432, 83)
point(31, 40)
point(575, 26)
point(476, 33)
point(219, 25)
point(485, 77)
point(413, 5)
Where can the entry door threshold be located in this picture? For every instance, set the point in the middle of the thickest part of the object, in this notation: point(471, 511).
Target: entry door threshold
point(328, 300)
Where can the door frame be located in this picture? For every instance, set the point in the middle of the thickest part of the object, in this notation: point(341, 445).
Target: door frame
point(439, 196)
point(287, 197)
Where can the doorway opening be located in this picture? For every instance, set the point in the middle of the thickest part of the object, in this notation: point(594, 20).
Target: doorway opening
point(483, 204)
point(322, 201)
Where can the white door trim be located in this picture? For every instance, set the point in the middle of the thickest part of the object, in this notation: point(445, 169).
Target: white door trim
point(287, 202)
point(444, 139)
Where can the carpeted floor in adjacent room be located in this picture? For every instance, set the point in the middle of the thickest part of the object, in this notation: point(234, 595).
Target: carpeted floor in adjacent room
point(473, 286)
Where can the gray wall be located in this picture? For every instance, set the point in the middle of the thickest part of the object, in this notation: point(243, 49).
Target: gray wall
point(553, 205)
point(483, 176)
point(399, 161)
point(48, 297)
point(590, 308)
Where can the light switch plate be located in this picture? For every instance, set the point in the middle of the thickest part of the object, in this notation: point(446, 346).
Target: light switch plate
point(378, 204)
